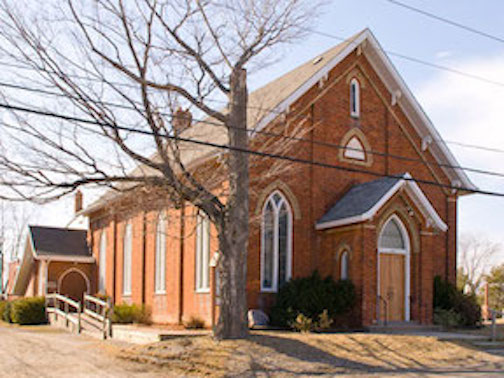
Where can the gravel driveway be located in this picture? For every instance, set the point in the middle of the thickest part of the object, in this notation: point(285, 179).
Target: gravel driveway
point(43, 351)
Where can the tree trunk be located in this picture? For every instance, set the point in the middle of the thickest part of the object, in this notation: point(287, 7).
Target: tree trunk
point(234, 226)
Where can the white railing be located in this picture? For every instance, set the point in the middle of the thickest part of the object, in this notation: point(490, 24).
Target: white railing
point(63, 306)
point(98, 309)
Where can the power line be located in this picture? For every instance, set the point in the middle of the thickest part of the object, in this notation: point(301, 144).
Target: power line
point(432, 65)
point(272, 134)
point(429, 64)
point(245, 150)
point(416, 60)
point(276, 135)
point(447, 21)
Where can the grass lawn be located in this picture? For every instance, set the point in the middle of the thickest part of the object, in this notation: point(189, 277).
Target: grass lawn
point(286, 354)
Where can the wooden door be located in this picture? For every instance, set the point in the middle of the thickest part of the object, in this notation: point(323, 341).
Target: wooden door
point(392, 286)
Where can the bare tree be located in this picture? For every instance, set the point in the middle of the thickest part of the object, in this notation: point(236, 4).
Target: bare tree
point(130, 67)
point(14, 218)
point(475, 255)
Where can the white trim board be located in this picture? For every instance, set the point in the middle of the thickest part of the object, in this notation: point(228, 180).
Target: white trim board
point(412, 189)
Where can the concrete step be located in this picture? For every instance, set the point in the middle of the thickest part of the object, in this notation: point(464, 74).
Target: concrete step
point(404, 327)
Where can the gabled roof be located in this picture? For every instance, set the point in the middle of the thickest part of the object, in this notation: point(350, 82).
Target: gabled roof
point(62, 242)
point(267, 102)
point(50, 243)
point(362, 202)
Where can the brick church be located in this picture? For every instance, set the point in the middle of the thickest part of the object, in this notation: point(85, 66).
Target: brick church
point(387, 222)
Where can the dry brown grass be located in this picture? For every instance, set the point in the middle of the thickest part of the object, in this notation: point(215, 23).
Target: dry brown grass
point(287, 354)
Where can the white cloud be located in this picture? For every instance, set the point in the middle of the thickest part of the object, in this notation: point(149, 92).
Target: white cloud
point(444, 54)
point(472, 112)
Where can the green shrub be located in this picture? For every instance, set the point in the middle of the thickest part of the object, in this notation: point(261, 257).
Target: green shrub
point(194, 323)
point(28, 311)
point(310, 296)
point(131, 313)
point(5, 311)
point(447, 318)
point(448, 297)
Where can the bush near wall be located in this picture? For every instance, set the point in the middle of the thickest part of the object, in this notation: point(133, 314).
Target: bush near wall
point(311, 296)
point(28, 311)
point(5, 311)
point(454, 308)
point(131, 313)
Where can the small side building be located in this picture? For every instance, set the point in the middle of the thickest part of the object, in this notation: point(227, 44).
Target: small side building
point(55, 260)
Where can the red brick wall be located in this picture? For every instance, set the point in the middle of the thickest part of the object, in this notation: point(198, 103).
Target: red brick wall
point(325, 110)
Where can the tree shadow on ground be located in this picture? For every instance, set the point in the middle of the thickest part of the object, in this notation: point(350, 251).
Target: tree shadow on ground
point(316, 361)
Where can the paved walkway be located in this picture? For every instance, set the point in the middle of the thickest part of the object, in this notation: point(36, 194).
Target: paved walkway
point(43, 351)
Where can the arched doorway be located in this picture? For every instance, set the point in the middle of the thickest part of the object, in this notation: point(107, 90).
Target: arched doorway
point(394, 271)
point(73, 284)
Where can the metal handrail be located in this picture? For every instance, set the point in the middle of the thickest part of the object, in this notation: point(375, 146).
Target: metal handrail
point(57, 300)
point(494, 322)
point(384, 301)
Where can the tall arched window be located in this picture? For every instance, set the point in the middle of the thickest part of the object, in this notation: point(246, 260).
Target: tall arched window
point(102, 261)
point(344, 265)
point(203, 254)
point(160, 262)
point(354, 98)
point(127, 255)
point(276, 244)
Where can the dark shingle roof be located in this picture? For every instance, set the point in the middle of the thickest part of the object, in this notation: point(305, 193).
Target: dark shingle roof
point(49, 241)
point(359, 199)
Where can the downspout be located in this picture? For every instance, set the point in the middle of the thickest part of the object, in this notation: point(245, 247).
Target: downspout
point(181, 263)
point(144, 248)
point(114, 270)
point(312, 220)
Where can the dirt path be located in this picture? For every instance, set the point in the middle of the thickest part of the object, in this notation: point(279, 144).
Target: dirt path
point(47, 352)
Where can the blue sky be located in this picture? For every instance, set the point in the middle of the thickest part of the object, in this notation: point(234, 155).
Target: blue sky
point(462, 109)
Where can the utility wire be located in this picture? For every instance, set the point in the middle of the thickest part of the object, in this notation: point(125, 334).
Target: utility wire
point(272, 134)
point(246, 150)
point(398, 55)
point(416, 60)
point(447, 21)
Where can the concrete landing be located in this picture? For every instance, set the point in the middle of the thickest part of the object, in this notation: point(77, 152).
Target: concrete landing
point(137, 334)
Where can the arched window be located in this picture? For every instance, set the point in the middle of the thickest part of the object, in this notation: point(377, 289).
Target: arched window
point(354, 150)
point(392, 237)
point(160, 262)
point(344, 265)
point(354, 98)
point(102, 261)
point(127, 255)
point(202, 254)
point(276, 244)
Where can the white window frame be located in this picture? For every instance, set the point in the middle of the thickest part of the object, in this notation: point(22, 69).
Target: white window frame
point(344, 259)
point(276, 210)
point(202, 254)
point(102, 268)
point(160, 256)
point(399, 251)
point(127, 259)
point(354, 84)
